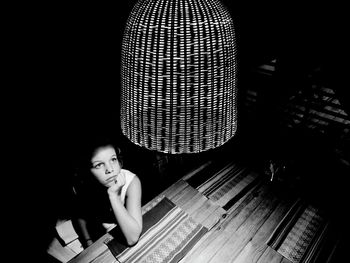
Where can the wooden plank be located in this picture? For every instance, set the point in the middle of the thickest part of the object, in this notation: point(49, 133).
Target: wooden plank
point(200, 208)
point(254, 249)
point(202, 175)
point(237, 241)
point(61, 253)
point(217, 237)
point(195, 201)
point(209, 214)
point(212, 180)
point(236, 189)
point(184, 197)
point(196, 170)
point(250, 194)
point(246, 207)
point(170, 192)
point(285, 260)
point(270, 256)
point(93, 251)
point(105, 257)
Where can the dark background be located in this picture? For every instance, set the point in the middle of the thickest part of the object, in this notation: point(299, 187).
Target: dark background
point(72, 54)
point(66, 85)
point(74, 51)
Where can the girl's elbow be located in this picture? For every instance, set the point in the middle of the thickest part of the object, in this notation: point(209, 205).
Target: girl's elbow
point(132, 242)
point(134, 239)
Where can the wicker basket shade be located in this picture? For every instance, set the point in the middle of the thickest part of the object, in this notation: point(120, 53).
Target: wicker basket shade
point(178, 72)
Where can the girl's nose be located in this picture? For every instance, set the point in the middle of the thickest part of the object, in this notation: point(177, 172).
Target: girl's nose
point(109, 169)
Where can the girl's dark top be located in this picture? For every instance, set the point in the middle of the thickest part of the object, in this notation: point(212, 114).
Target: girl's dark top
point(93, 206)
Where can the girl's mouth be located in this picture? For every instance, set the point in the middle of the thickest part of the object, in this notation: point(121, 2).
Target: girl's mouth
point(112, 179)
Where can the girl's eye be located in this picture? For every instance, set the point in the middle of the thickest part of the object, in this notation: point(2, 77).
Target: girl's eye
point(114, 159)
point(97, 166)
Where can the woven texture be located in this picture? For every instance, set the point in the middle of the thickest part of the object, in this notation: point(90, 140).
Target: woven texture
point(178, 72)
point(224, 185)
point(298, 233)
point(168, 234)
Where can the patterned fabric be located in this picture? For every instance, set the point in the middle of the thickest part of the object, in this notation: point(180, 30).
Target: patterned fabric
point(226, 185)
point(168, 234)
point(301, 235)
point(298, 233)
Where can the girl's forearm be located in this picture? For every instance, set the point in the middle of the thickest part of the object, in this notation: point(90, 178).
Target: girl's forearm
point(127, 223)
point(86, 239)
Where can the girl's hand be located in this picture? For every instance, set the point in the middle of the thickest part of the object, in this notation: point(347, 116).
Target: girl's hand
point(116, 188)
point(89, 242)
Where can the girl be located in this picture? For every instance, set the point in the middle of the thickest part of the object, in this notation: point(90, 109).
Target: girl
point(108, 195)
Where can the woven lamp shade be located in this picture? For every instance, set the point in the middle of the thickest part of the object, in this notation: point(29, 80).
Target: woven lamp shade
point(178, 69)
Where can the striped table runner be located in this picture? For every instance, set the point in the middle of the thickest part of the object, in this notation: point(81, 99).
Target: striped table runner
point(168, 234)
point(297, 234)
point(224, 185)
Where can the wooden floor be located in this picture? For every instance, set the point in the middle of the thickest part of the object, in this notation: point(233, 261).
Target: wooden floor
point(239, 234)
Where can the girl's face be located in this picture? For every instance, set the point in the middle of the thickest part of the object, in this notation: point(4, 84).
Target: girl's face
point(105, 165)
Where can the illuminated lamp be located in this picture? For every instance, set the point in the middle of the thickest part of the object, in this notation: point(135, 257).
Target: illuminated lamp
point(178, 76)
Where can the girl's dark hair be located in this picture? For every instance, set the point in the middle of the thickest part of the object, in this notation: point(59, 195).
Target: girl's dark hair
point(88, 149)
point(84, 181)
point(91, 196)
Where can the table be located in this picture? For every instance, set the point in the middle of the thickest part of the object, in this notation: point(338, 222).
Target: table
point(201, 209)
point(235, 234)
